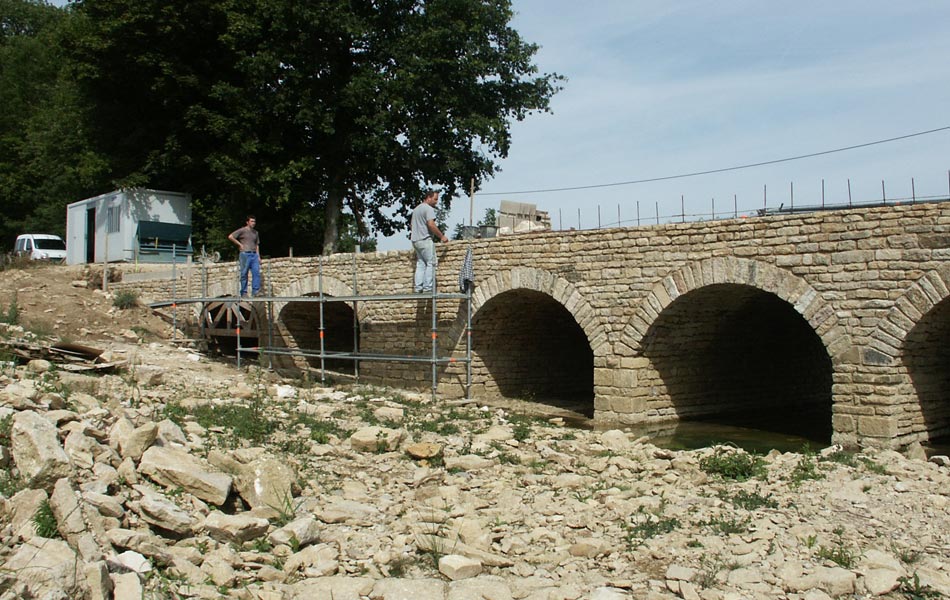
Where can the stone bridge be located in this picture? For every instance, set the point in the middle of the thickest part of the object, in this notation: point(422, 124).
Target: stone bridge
point(839, 318)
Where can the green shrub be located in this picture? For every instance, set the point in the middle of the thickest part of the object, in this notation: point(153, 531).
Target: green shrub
point(732, 463)
point(44, 521)
point(749, 500)
point(125, 299)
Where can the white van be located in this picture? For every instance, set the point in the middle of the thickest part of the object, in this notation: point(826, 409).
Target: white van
point(40, 246)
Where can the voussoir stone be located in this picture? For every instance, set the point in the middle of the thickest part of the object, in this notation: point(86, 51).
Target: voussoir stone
point(38, 455)
point(173, 467)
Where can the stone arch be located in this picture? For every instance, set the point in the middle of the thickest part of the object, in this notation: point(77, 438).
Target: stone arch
point(561, 290)
point(311, 286)
point(909, 343)
point(803, 298)
point(918, 300)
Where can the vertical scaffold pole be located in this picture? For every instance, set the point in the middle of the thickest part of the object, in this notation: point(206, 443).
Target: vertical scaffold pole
point(356, 321)
point(468, 346)
point(174, 296)
point(270, 327)
point(239, 318)
point(435, 334)
point(323, 372)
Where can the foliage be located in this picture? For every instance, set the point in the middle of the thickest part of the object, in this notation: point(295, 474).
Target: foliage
point(731, 463)
point(749, 500)
point(643, 526)
point(728, 525)
point(322, 117)
point(912, 589)
point(805, 469)
point(840, 553)
point(44, 521)
point(6, 427)
point(125, 299)
point(46, 159)
point(490, 218)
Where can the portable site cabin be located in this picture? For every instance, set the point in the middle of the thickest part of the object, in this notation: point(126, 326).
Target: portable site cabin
point(133, 225)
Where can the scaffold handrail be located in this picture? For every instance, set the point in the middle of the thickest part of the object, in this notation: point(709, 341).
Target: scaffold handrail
point(317, 298)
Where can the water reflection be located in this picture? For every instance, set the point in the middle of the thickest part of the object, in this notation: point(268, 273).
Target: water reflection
point(691, 435)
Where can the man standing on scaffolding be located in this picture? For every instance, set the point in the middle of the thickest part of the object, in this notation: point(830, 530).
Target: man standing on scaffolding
point(248, 239)
point(423, 230)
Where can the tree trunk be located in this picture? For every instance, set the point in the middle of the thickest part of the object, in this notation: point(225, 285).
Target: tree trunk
point(331, 222)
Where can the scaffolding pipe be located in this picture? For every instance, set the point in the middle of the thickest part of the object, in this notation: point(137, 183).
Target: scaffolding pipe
point(323, 372)
point(235, 305)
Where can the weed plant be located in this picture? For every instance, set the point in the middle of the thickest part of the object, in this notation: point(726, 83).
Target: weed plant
point(125, 299)
point(873, 467)
point(728, 525)
point(749, 500)
point(44, 521)
point(6, 427)
point(806, 469)
point(734, 464)
point(644, 525)
point(842, 457)
point(840, 553)
point(912, 589)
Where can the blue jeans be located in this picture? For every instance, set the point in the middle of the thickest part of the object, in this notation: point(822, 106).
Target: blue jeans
point(250, 261)
point(425, 265)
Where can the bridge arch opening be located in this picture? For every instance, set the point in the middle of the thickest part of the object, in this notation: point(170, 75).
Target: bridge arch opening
point(527, 345)
point(733, 354)
point(302, 322)
point(926, 355)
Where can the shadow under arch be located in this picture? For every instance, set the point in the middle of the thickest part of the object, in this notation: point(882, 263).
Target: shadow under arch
point(535, 337)
point(298, 323)
point(740, 342)
point(915, 333)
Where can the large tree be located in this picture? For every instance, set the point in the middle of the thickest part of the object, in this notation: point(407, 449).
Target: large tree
point(316, 115)
point(45, 157)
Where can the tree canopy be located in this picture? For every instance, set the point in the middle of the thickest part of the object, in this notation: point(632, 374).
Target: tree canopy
point(323, 118)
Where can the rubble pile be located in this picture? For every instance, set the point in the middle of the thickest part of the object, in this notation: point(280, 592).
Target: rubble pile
point(178, 477)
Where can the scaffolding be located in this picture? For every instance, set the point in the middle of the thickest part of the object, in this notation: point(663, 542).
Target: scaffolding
point(242, 310)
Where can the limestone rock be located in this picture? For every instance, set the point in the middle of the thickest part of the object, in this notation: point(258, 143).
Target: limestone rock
point(375, 439)
point(305, 530)
point(45, 566)
point(267, 482)
point(173, 467)
point(456, 566)
point(424, 450)
point(234, 528)
point(161, 512)
point(37, 451)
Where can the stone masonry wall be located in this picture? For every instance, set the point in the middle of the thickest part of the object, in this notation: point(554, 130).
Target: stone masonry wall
point(860, 279)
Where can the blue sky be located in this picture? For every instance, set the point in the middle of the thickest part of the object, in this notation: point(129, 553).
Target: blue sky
point(657, 89)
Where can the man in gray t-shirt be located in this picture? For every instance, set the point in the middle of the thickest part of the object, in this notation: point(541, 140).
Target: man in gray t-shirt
point(248, 241)
point(423, 230)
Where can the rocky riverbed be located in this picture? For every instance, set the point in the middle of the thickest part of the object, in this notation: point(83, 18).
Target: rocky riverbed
point(179, 477)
